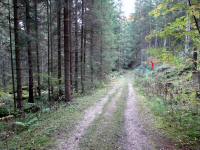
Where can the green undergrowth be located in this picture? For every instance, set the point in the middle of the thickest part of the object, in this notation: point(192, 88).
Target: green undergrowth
point(106, 132)
point(179, 122)
point(42, 127)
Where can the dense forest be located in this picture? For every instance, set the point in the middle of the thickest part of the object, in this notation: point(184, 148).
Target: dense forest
point(53, 47)
point(79, 74)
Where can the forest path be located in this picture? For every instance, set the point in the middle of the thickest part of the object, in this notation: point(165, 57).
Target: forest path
point(136, 137)
point(115, 122)
point(140, 133)
point(72, 143)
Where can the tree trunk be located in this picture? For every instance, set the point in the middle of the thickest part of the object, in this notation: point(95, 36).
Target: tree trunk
point(76, 47)
point(82, 49)
point(92, 44)
point(59, 46)
point(67, 52)
point(37, 49)
point(51, 45)
point(91, 55)
point(101, 47)
point(195, 56)
point(11, 55)
point(28, 23)
point(84, 53)
point(4, 75)
point(18, 57)
point(70, 42)
point(195, 18)
point(156, 40)
point(48, 28)
point(84, 42)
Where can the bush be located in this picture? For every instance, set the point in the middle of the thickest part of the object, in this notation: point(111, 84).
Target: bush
point(31, 108)
point(3, 112)
point(19, 126)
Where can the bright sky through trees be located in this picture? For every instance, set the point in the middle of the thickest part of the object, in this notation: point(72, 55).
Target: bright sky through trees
point(128, 7)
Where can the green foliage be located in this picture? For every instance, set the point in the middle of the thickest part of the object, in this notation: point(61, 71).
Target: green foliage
point(177, 28)
point(7, 100)
point(3, 112)
point(2, 94)
point(167, 7)
point(177, 111)
point(31, 108)
point(46, 110)
point(32, 121)
point(20, 126)
point(166, 56)
point(40, 127)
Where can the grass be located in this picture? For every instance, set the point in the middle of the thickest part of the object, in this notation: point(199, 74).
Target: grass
point(105, 133)
point(182, 126)
point(41, 133)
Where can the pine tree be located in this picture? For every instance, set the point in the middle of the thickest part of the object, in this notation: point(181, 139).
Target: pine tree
point(17, 55)
point(67, 37)
point(28, 23)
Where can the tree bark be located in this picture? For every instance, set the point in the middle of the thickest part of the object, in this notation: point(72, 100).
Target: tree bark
point(67, 52)
point(195, 56)
point(51, 47)
point(84, 54)
point(3, 75)
point(91, 54)
point(101, 46)
point(11, 55)
point(101, 56)
point(82, 49)
point(28, 23)
point(37, 48)
point(59, 47)
point(76, 47)
point(195, 19)
point(18, 57)
point(48, 51)
point(70, 42)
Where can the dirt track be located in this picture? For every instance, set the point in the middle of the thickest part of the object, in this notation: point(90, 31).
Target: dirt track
point(90, 114)
point(136, 136)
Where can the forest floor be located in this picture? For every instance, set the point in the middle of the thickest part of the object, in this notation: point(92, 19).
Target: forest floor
point(116, 121)
point(109, 118)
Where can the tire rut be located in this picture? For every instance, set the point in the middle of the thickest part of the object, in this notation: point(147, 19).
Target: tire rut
point(72, 143)
point(111, 108)
point(100, 136)
point(136, 136)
